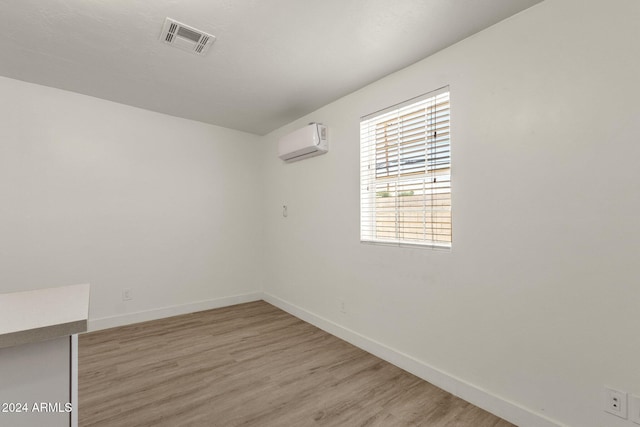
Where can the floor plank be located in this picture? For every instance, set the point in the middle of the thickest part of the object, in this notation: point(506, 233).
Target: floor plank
point(251, 365)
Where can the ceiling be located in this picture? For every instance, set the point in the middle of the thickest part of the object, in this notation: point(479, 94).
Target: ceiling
point(273, 61)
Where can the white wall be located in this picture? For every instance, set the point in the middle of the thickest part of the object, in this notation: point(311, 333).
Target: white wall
point(119, 197)
point(538, 302)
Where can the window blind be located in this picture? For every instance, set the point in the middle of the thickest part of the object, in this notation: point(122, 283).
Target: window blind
point(405, 173)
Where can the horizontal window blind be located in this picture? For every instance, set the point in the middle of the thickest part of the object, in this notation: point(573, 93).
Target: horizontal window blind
point(405, 173)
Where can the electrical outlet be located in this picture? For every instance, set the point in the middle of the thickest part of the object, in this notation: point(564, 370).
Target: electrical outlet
point(343, 307)
point(634, 409)
point(615, 402)
point(126, 295)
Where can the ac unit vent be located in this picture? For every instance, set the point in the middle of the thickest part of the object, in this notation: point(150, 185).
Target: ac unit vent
point(185, 37)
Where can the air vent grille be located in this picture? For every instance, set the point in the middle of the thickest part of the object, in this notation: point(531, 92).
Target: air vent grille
point(185, 37)
point(172, 32)
point(202, 44)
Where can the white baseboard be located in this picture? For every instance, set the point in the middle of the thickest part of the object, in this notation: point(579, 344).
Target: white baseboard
point(176, 310)
point(501, 407)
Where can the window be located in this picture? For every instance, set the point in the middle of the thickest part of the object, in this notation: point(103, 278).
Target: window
point(405, 173)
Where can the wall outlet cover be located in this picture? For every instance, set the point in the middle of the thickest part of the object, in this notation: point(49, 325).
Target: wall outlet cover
point(615, 402)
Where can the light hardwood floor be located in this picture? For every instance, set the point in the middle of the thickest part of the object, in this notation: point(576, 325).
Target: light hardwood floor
point(251, 365)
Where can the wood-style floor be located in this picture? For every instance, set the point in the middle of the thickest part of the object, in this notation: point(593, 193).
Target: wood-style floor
point(251, 365)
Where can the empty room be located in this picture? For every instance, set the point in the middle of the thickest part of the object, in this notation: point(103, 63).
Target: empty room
point(329, 213)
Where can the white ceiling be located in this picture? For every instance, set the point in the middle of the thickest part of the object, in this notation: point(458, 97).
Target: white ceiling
point(273, 61)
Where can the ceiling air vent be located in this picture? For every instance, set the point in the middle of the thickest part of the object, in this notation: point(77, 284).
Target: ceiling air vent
point(185, 37)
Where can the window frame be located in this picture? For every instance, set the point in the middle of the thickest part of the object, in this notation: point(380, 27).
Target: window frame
point(418, 165)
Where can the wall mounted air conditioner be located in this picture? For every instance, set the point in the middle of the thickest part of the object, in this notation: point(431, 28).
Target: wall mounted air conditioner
point(303, 143)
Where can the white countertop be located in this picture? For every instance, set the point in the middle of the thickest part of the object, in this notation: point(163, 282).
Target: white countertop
point(43, 314)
